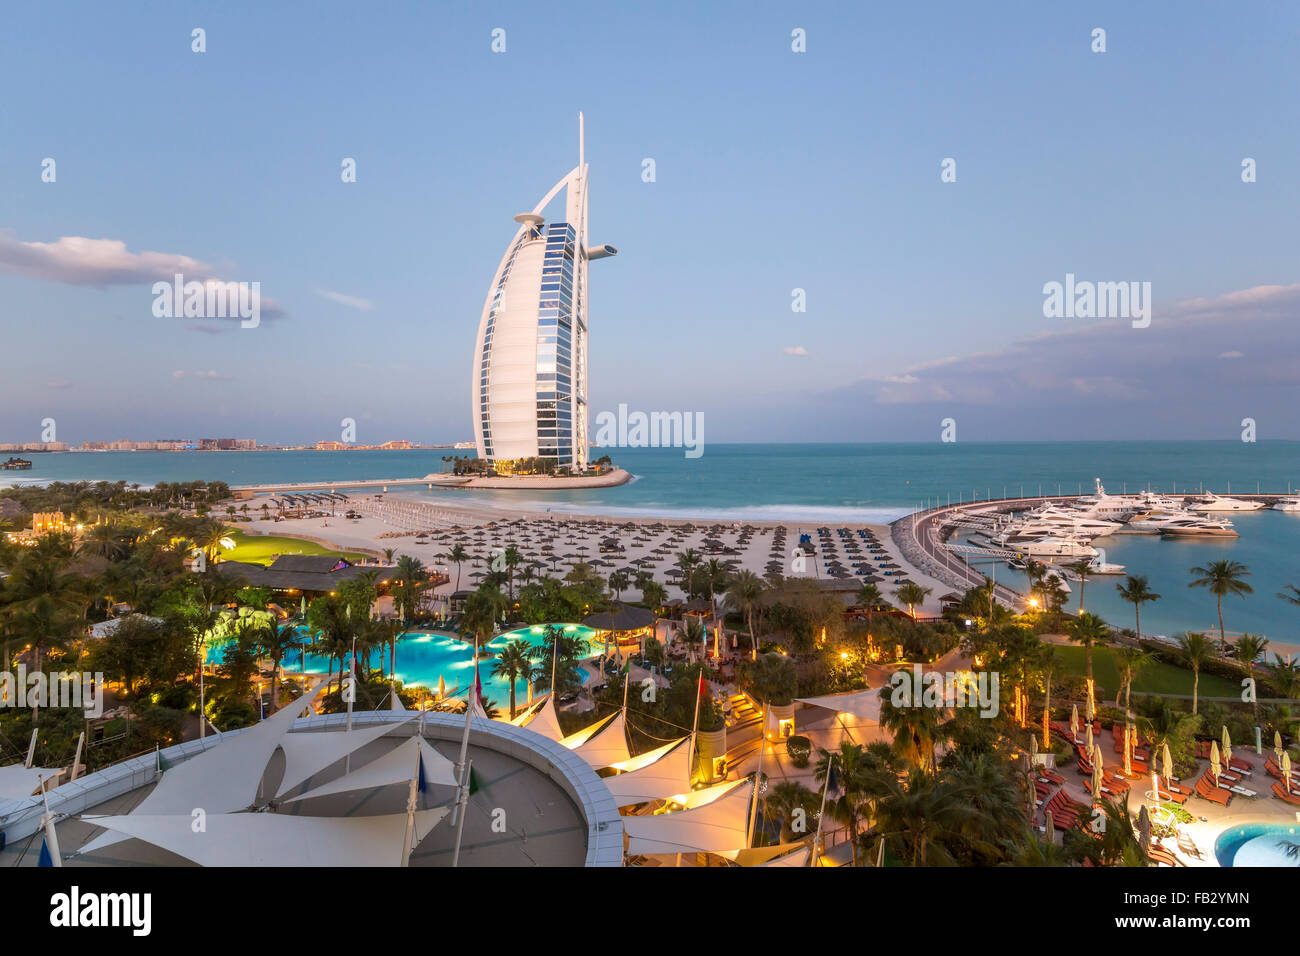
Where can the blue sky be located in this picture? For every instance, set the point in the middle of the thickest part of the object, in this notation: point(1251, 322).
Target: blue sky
point(775, 171)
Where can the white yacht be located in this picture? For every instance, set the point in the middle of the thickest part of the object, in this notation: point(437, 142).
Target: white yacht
point(1098, 566)
point(1287, 504)
point(1153, 522)
point(1213, 502)
point(1200, 527)
point(1051, 547)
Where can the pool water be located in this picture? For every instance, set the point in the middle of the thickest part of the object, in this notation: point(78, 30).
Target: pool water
point(423, 657)
point(1257, 844)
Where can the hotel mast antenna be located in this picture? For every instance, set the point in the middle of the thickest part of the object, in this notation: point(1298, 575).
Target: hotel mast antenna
point(529, 386)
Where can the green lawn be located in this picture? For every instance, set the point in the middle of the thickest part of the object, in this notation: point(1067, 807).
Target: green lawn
point(262, 549)
point(1156, 678)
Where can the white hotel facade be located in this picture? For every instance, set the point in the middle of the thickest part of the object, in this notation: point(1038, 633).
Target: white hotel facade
point(530, 380)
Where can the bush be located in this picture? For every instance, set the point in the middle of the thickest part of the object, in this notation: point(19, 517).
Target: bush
point(799, 749)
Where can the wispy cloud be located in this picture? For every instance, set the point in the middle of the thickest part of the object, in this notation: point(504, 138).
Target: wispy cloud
point(98, 262)
point(211, 375)
point(77, 260)
point(351, 301)
point(795, 350)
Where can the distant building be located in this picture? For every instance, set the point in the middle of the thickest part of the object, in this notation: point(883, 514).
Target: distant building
point(529, 382)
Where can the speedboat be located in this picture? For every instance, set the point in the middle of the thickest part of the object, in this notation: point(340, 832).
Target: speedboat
point(1213, 502)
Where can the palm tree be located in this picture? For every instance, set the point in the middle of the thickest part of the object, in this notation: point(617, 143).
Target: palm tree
point(1247, 649)
point(512, 559)
point(1222, 577)
point(1082, 570)
point(412, 578)
point(713, 578)
point(1167, 726)
point(459, 555)
point(274, 641)
point(1293, 597)
point(787, 799)
point(1196, 651)
point(388, 555)
point(1090, 631)
point(911, 594)
point(479, 615)
point(1136, 591)
point(1129, 660)
point(856, 772)
point(870, 597)
point(744, 592)
point(916, 818)
point(687, 561)
point(617, 582)
point(514, 663)
point(653, 594)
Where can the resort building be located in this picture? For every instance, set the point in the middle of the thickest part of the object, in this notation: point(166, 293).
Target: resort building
point(529, 383)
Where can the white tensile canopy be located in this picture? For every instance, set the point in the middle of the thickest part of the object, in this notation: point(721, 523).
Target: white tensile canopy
point(526, 713)
point(17, 781)
point(783, 854)
point(545, 722)
point(863, 704)
point(307, 753)
point(272, 839)
point(717, 827)
point(661, 773)
point(222, 779)
point(705, 795)
point(397, 766)
point(576, 740)
point(603, 747)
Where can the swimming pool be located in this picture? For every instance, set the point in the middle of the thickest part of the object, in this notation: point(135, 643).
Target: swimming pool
point(423, 657)
point(1257, 844)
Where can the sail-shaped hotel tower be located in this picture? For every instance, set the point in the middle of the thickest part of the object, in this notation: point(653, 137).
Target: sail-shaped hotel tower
point(530, 358)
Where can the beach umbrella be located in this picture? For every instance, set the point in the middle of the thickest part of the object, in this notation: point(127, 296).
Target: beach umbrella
point(442, 686)
point(1090, 747)
point(1216, 765)
point(1074, 721)
point(1098, 761)
point(1286, 770)
point(1096, 780)
point(1227, 745)
point(1168, 764)
point(1277, 746)
point(1144, 829)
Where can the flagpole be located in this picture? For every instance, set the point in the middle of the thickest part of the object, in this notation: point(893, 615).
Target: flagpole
point(51, 837)
point(464, 738)
point(461, 800)
point(821, 814)
point(410, 806)
point(695, 726)
point(758, 777)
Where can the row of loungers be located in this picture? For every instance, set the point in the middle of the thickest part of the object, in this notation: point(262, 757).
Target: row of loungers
point(1292, 798)
point(1273, 770)
point(1065, 812)
point(1234, 763)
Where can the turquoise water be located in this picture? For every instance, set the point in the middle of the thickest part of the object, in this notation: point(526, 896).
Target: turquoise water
point(823, 482)
point(1267, 546)
point(1256, 844)
point(422, 658)
point(809, 484)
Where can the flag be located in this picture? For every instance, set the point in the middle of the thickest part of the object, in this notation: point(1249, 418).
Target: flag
point(46, 859)
point(832, 779)
point(423, 784)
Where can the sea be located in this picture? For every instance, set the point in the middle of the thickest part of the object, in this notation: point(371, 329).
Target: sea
point(809, 485)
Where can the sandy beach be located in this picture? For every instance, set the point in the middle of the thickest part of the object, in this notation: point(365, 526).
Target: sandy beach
point(556, 540)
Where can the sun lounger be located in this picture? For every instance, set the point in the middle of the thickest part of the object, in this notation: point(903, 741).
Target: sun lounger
point(1188, 845)
point(1240, 766)
point(1244, 791)
point(1292, 798)
point(1162, 857)
point(1208, 791)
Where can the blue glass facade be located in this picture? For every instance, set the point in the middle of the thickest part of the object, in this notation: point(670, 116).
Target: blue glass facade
point(555, 345)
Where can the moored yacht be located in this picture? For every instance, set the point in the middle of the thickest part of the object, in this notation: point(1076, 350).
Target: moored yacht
point(1287, 504)
point(1199, 527)
point(1051, 547)
point(1213, 502)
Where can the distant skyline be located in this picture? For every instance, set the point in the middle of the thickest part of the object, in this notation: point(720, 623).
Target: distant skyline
point(778, 176)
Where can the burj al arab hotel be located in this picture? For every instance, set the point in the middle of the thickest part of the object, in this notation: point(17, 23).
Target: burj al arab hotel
point(530, 359)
